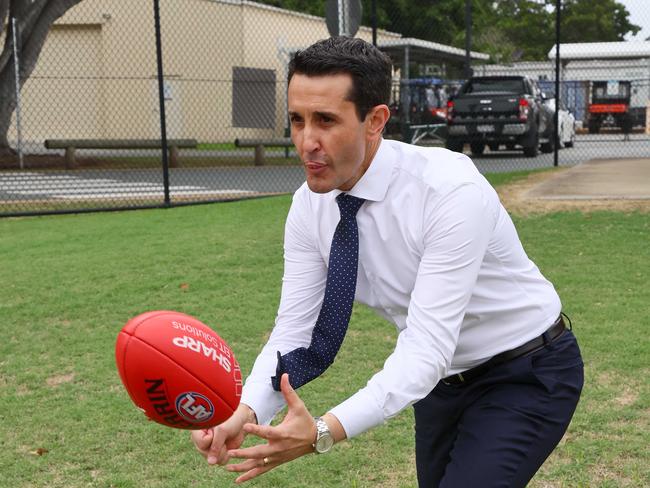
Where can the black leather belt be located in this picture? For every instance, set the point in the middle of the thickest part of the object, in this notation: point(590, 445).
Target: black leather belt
point(529, 347)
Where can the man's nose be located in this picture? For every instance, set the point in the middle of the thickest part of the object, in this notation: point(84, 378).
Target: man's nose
point(311, 141)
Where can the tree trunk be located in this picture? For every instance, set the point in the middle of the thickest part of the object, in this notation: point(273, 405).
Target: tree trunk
point(34, 20)
point(7, 107)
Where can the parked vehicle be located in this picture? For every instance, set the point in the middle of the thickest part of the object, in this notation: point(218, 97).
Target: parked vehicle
point(566, 123)
point(418, 102)
point(610, 106)
point(500, 110)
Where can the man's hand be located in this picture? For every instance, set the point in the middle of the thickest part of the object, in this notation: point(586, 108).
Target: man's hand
point(293, 438)
point(214, 443)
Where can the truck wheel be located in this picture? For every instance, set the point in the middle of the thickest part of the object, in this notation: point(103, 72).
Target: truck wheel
point(477, 148)
point(571, 142)
point(493, 146)
point(594, 127)
point(627, 123)
point(532, 145)
point(547, 147)
point(453, 145)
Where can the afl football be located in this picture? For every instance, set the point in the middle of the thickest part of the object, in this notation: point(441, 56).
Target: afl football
point(177, 370)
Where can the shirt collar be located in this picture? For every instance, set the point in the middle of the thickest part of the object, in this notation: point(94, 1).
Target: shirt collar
point(373, 185)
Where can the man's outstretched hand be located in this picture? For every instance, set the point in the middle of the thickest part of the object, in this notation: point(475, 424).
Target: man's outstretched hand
point(293, 438)
point(214, 443)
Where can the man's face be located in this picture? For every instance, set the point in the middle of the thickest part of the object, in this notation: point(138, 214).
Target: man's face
point(325, 128)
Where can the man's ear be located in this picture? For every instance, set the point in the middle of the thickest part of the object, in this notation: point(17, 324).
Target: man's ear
point(377, 118)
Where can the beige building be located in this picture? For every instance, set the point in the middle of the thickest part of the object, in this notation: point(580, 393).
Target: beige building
point(96, 76)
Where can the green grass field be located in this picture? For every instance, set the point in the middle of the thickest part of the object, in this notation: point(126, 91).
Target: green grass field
point(70, 282)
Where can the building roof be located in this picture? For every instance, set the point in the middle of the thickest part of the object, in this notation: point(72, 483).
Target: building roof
point(423, 52)
point(602, 50)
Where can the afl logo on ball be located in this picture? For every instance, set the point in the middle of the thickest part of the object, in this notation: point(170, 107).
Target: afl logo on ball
point(194, 407)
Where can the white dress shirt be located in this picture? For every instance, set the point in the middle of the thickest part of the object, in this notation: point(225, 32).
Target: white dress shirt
point(439, 257)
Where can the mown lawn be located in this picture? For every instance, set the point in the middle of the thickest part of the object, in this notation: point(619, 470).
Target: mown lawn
point(70, 282)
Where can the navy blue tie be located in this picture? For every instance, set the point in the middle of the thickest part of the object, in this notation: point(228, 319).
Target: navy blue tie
point(305, 364)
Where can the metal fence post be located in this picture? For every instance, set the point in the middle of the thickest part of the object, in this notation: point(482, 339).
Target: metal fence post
point(468, 39)
point(373, 21)
point(17, 80)
point(161, 96)
point(556, 116)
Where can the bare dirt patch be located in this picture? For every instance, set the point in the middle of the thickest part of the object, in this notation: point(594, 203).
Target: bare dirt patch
point(526, 196)
point(59, 379)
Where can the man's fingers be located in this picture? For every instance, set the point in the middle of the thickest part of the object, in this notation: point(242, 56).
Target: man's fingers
point(263, 431)
point(253, 473)
point(258, 452)
point(246, 465)
point(209, 445)
point(251, 468)
point(202, 439)
point(218, 454)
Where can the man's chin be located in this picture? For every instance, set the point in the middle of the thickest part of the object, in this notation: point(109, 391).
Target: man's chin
point(319, 185)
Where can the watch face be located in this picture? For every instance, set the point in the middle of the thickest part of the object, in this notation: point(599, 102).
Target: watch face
point(324, 444)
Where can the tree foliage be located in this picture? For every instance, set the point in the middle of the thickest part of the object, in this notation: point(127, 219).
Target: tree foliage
point(603, 21)
point(508, 30)
point(526, 27)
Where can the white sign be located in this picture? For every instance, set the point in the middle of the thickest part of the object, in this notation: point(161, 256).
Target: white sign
point(612, 88)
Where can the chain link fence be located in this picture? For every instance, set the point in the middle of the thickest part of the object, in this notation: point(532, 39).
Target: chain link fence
point(86, 130)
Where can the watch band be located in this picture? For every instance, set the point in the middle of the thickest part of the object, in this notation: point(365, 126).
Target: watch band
point(324, 439)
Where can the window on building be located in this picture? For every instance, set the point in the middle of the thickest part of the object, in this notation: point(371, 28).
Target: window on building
point(253, 98)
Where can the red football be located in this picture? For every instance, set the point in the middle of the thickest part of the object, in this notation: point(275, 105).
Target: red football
point(177, 370)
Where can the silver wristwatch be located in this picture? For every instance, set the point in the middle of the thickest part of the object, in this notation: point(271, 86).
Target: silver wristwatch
point(324, 439)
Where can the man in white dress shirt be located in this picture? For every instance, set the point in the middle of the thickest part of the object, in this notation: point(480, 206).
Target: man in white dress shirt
point(482, 354)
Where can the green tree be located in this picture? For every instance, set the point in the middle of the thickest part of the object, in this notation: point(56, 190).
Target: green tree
point(512, 30)
point(589, 21)
point(508, 30)
point(439, 21)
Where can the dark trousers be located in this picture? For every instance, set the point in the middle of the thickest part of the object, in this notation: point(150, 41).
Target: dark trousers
point(497, 430)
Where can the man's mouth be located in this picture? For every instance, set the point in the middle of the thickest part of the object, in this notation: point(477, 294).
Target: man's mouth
point(315, 166)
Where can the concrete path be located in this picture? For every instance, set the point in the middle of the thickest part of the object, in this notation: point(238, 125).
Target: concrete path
point(598, 179)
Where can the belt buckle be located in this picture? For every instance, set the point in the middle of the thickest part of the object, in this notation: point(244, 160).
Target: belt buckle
point(458, 376)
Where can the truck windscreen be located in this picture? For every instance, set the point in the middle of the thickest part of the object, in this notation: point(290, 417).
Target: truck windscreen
point(510, 86)
point(611, 90)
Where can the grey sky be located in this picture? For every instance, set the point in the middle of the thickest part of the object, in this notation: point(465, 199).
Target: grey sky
point(639, 15)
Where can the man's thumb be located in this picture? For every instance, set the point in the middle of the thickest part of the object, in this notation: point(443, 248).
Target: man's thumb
point(290, 395)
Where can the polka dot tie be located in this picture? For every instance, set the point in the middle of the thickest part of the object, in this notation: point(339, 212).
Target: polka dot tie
point(305, 364)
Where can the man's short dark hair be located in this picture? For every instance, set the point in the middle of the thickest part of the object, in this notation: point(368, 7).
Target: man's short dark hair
point(371, 69)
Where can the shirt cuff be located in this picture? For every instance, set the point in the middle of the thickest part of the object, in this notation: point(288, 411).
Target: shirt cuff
point(263, 399)
point(358, 413)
